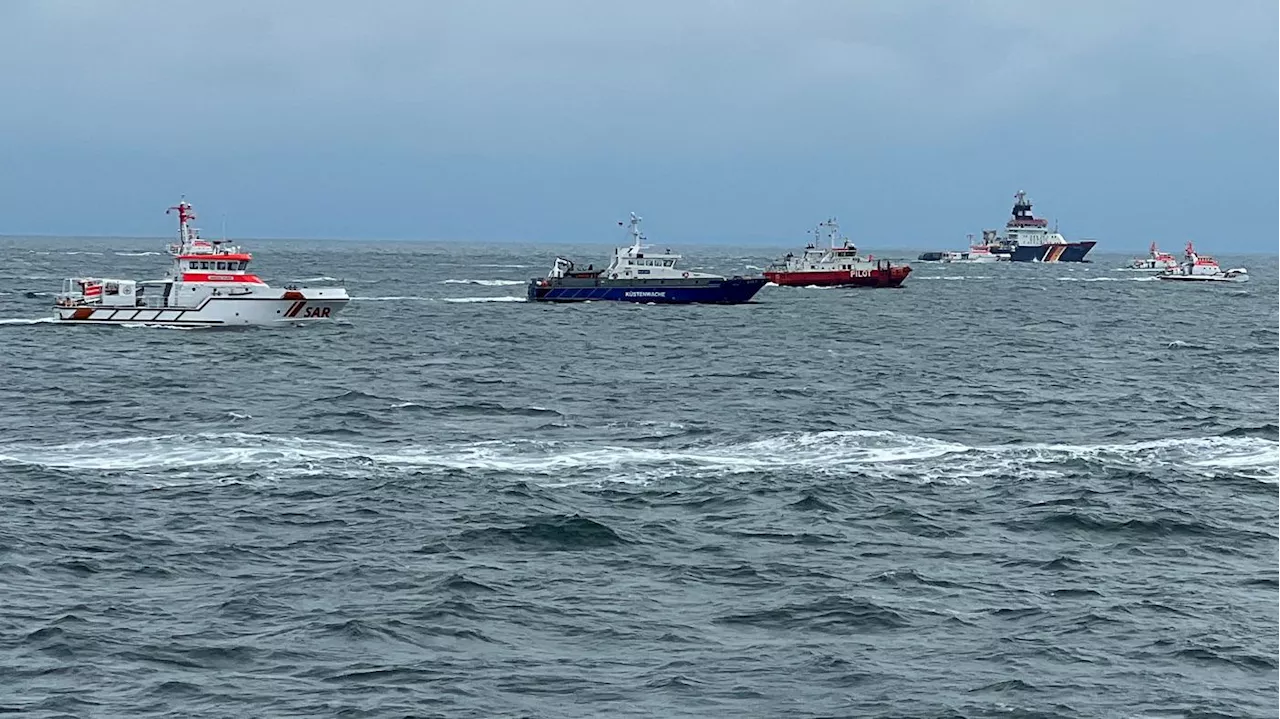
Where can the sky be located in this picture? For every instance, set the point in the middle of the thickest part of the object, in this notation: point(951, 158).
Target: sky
point(911, 121)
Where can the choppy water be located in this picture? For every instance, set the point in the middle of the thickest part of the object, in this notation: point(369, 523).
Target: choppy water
point(1009, 490)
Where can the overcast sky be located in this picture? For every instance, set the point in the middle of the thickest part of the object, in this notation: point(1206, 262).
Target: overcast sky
point(913, 122)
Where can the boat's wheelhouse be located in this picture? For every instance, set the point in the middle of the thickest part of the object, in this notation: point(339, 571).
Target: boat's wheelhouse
point(634, 262)
point(196, 259)
point(817, 258)
point(1024, 228)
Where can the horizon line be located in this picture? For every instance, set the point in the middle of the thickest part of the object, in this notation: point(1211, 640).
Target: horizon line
point(509, 241)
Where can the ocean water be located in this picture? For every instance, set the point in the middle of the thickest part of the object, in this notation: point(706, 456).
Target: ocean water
point(1006, 490)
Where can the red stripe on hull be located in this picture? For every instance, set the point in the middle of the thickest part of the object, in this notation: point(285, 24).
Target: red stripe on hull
point(892, 277)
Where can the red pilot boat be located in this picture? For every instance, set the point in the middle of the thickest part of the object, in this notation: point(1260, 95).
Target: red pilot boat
point(836, 266)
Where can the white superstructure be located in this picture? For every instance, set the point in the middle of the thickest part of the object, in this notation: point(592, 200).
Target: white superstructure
point(1155, 261)
point(636, 262)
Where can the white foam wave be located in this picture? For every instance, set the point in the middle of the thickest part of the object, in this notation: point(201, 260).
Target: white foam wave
point(392, 298)
point(324, 278)
point(507, 267)
point(138, 254)
point(1149, 278)
point(27, 321)
point(838, 454)
point(953, 277)
point(485, 283)
point(481, 299)
point(151, 326)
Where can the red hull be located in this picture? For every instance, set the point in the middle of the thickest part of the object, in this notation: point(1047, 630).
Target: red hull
point(879, 277)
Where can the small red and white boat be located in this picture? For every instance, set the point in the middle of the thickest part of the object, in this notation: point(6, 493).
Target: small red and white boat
point(1202, 268)
point(209, 285)
point(838, 265)
point(1155, 261)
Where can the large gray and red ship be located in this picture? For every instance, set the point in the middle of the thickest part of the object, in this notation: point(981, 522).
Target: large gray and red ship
point(1027, 238)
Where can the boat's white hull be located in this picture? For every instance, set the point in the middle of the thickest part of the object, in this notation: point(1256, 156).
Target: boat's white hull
point(218, 311)
point(1204, 278)
point(984, 259)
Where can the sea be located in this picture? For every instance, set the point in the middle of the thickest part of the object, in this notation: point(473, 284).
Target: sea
point(1005, 490)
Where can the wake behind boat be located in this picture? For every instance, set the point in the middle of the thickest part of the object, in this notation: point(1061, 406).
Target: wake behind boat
point(637, 275)
point(209, 285)
point(1202, 268)
point(838, 265)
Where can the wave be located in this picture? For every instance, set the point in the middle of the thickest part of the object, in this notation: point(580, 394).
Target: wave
point(881, 454)
point(551, 532)
point(150, 326)
point(953, 277)
point(27, 321)
point(1148, 278)
point(482, 299)
point(323, 278)
point(831, 615)
point(485, 283)
point(147, 253)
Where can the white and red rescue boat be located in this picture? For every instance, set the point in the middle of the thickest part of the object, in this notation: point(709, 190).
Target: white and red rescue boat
point(209, 285)
point(1202, 268)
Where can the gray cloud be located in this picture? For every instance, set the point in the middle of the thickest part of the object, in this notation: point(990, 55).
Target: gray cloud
point(490, 75)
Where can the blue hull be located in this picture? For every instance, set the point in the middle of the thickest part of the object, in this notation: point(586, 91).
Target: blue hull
point(1070, 252)
point(728, 292)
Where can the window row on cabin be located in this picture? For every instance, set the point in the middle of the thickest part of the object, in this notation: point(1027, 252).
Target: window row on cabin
point(217, 266)
point(653, 263)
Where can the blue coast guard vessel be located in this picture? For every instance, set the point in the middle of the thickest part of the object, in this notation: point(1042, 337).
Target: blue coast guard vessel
point(638, 275)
